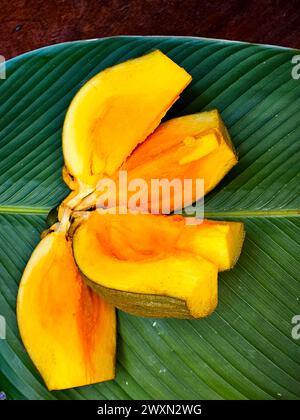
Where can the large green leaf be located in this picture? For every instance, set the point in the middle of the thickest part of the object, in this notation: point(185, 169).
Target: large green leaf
point(245, 350)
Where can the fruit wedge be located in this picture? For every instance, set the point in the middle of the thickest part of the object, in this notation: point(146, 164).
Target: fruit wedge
point(154, 265)
point(114, 111)
point(67, 329)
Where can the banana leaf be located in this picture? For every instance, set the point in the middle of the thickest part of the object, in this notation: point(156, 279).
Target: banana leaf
point(246, 349)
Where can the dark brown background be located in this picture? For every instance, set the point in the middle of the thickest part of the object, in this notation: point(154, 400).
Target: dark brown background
point(30, 24)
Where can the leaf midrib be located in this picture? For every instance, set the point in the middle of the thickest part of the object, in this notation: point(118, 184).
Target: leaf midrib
point(24, 210)
point(32, 210)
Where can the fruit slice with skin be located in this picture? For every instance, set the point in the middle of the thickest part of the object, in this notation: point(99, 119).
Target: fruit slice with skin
point(114, 111)
point(154, 265)
point(192, 147)
point(68, 330)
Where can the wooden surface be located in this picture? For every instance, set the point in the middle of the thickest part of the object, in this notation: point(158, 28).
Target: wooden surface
point(29, 24)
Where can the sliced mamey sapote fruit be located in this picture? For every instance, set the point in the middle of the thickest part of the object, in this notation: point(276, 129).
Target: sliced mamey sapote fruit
point(68, 330)
point(114, 111)
point(145, 264)
point(154, 265)
point(192, 147)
